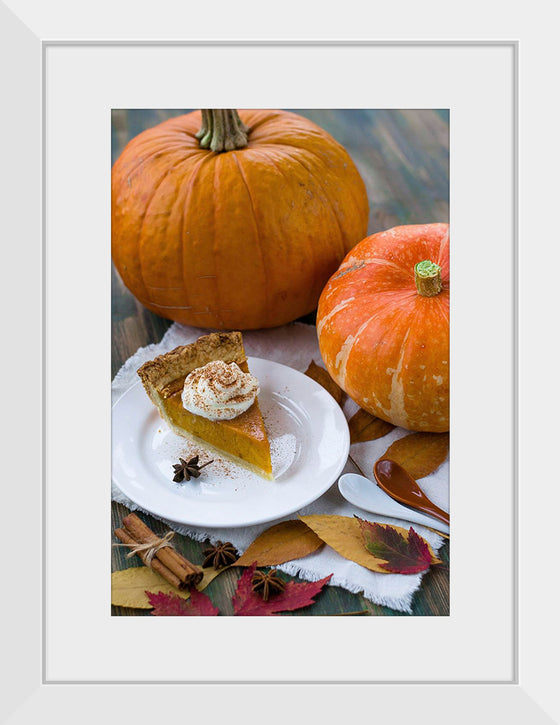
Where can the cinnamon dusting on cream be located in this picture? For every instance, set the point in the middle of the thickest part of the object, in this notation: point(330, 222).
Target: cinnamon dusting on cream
point(219, 391)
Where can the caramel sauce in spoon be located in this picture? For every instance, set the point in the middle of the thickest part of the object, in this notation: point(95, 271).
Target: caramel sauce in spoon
point(400, 485)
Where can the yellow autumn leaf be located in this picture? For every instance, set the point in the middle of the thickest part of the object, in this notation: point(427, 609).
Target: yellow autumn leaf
point(128, 586)
point(343, 534)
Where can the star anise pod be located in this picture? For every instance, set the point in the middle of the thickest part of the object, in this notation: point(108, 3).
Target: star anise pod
point(220, 555)
point(185, 470)
point(267, 583)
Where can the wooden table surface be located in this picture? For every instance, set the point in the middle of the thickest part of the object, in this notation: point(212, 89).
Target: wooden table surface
point(403, 157)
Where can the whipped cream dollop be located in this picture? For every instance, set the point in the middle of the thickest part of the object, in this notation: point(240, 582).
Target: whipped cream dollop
point(219, 391)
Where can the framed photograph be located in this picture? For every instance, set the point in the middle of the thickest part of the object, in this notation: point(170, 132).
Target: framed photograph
point(259, 261)
point(485, 654)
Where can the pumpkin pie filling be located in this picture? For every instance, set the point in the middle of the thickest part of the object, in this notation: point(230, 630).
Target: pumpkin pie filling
point(243, 438)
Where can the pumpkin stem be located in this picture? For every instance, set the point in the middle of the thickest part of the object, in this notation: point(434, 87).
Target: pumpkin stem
point(222, 130)
point(427, 276)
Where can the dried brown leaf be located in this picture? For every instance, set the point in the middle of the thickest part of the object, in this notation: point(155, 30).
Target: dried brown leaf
point(321, 376)
point(283, 542)
point(129, 586)
point(366, 427)
point(419, 453)
point(344, 535)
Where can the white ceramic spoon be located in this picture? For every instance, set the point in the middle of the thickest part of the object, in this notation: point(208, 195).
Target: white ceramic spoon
point(365, 494)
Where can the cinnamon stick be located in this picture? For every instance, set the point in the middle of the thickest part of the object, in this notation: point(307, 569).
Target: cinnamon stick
point(156, 565)
point(182, 568)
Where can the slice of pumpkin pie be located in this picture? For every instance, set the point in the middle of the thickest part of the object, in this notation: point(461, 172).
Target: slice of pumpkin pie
point(204, 391)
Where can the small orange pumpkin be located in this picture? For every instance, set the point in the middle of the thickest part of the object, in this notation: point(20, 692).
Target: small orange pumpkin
point(383, 326)
point(237, 225)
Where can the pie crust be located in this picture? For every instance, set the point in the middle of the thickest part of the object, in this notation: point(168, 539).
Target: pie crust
point(242, 439)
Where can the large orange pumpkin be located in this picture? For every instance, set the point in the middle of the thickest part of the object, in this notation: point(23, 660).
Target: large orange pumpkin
point(383, 326)
point(237, 225)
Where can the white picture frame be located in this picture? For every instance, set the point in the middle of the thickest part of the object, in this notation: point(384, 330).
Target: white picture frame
point(518, 683)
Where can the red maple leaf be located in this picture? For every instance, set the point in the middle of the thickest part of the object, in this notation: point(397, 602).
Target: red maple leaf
point(400, 555)
point(172, 605)
point(247, 603)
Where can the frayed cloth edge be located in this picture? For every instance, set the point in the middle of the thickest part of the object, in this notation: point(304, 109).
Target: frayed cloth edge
point(403, 604)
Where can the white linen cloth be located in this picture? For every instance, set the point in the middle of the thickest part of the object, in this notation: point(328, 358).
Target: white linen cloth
point(296, 345)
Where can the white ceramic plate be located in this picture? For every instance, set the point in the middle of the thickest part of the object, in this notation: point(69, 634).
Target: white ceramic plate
point(309, 442)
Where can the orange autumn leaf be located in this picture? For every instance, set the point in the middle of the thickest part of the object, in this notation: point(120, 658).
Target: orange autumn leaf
point(344, 535)
point(419, 453)
point(366, 427)
point(280, 543)
point(321, 376)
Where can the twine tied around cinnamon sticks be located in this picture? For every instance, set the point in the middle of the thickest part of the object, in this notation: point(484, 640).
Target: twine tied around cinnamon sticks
point(158, 553)
point(150, 548)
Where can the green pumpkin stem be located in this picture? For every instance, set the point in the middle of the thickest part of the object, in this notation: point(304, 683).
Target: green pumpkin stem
point(222, 130)
point(427, 276)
